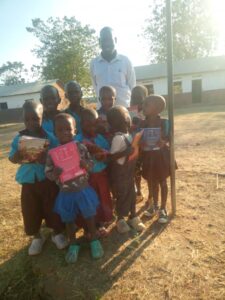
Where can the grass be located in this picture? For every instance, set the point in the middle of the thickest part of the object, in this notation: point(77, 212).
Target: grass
point(182, 260)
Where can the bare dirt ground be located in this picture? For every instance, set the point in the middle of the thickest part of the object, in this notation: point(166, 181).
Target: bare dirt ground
point(182, 260)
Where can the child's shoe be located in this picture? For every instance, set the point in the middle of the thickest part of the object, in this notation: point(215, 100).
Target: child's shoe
point(96, 249)
point(72, 253)
point(151, 211)
point(36, 246)
point(60, 241)
point(137, 224)
point(122, 226)
point(163, 218)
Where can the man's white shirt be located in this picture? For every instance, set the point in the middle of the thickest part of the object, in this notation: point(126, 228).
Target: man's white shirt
point(118, 73)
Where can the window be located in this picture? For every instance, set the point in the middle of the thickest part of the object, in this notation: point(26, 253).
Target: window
point(150, 88)
point(3, 105)
point(177, 87)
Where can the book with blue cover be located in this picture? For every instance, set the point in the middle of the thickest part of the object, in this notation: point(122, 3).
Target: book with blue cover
point(150, 138)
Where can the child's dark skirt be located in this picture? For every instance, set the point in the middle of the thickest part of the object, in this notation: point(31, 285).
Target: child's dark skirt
point(37, 202)
point(156, 164)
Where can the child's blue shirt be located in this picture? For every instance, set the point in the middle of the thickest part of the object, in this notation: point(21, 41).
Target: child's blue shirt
point(100, 141)
point(48, 126)
point(30, 172)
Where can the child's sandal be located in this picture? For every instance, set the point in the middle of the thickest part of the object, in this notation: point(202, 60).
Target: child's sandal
point(96, 249)
point(72, 253)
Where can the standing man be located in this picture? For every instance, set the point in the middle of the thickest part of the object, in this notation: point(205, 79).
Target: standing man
point(111, 68)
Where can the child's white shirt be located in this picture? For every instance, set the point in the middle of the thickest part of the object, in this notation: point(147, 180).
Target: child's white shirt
point(119, 145)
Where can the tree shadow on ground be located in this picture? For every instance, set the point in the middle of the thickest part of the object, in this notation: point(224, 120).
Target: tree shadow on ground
point(47, 276)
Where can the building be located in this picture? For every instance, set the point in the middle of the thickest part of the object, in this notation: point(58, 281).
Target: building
point(12, 98)
point(195, 80)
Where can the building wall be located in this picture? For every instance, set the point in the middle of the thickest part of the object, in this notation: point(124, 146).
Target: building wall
point(213, 87)
point(213, 81)
point(18, 100)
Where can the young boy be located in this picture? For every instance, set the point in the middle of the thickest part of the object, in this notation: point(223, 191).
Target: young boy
point(74, 95)
point(50, 100)
point(107, 98)
point(38, 193)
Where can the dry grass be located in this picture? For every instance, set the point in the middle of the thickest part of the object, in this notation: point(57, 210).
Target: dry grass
point(183, 260)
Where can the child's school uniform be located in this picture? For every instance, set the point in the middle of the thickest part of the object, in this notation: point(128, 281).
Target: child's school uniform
point(122, 176)
point(156, 163)
point(76, 118)
point(48, 126)
point(76, 196)
point(38, 193)
point(99, 179)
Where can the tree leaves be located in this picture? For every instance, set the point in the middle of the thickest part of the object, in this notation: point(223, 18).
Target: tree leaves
point(12, 73)
point(66, 48)
point(193, 32)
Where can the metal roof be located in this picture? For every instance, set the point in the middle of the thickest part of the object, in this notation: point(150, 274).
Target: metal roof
point(25, 88)
point(188, 66)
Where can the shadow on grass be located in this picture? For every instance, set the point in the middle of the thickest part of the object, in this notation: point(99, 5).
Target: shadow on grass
point(49, 277)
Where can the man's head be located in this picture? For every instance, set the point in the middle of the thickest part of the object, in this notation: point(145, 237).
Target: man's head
point(107, 41)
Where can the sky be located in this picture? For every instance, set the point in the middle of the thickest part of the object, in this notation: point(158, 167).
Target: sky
point(127, 18)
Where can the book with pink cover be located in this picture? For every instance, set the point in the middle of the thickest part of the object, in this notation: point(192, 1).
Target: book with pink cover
point(67, 158)
point(32, 147)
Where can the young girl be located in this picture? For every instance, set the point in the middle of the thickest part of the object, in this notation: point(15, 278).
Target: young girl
point(98, 147)
point(38, 193)
point(74, 95)
point(122, 170)
point(107, 97)
point(138, 95)
point(156, 162)
point(50, 100)
point(75, 196)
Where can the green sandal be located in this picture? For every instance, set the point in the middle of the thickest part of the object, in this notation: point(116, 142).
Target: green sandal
point(96, 249)
point(72, 254)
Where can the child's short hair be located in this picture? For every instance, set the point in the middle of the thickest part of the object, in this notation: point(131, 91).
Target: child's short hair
point(117, 116)
point(89, 114)
point(32, 106)
point(107, 88)
point(50, 87)
point(63, 116)
point(72, 83)
point(138, 94)
point(158, 100)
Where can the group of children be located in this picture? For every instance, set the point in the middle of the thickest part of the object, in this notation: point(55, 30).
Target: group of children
point(112, 180)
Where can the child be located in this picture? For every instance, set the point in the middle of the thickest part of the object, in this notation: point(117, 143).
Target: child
point(38, 193)
point(107, 97)
point(122, 170)
point(156, 163)
point(50, 100)
point(74, 95)
point(138, 95)
point(75, 196)
point(98, 147)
